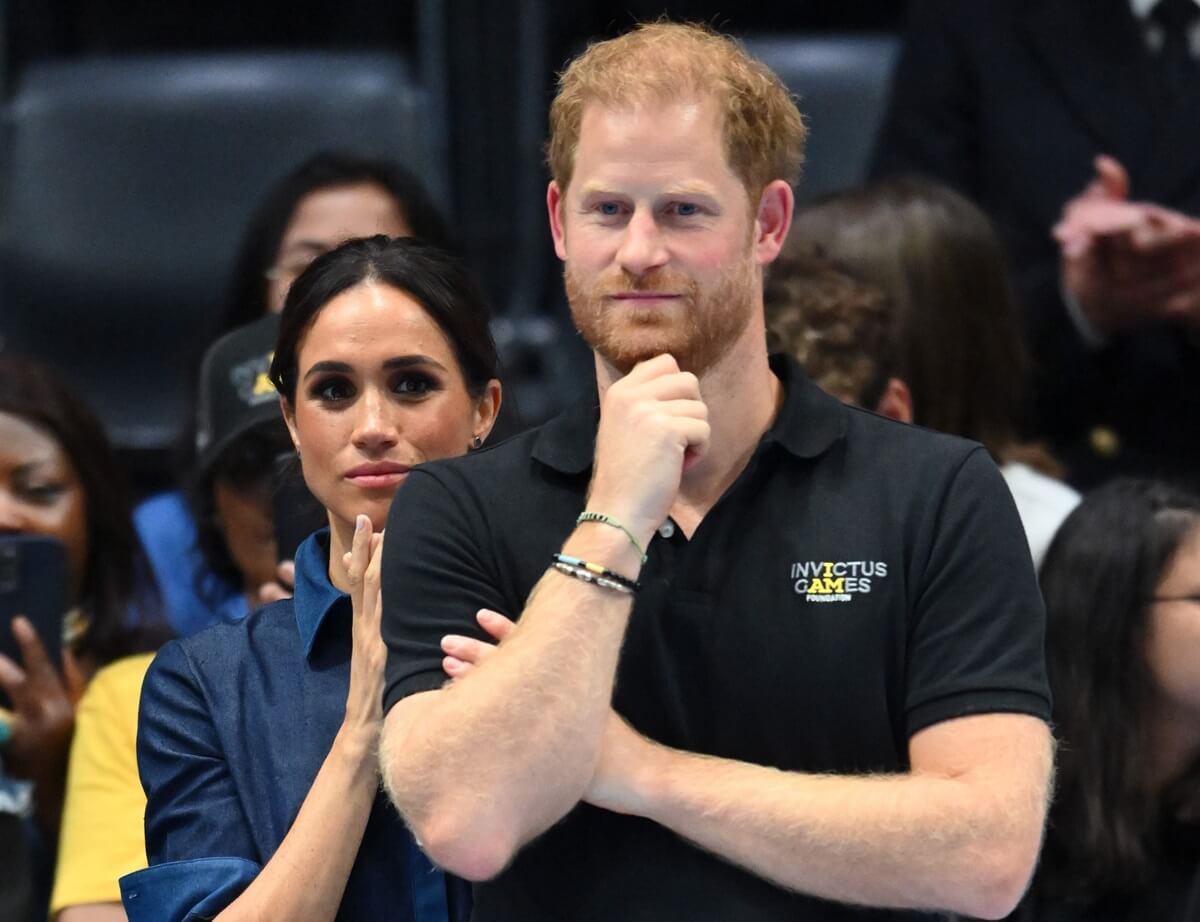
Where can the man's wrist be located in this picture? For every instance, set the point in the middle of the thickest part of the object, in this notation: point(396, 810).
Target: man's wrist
point(609, 547)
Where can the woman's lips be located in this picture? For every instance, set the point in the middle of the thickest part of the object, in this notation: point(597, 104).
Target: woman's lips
point(377, 474)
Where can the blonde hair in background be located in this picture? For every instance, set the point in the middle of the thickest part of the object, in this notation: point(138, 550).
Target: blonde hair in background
point(660, 61)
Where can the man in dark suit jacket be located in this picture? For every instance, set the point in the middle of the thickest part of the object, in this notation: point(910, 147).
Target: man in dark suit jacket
point(1012, 102)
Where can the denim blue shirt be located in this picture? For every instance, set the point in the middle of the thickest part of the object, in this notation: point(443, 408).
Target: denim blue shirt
point(234, 725)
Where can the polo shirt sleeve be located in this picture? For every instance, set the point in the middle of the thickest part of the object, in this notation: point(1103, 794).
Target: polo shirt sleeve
point(977, 635)
point(198, 841)
point(437, 573)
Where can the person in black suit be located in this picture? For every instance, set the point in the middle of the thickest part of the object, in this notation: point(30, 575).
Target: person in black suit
point(1051, 114)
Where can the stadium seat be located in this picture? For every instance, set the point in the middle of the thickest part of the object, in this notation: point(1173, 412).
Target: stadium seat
point(126, 184)
point(842, 82)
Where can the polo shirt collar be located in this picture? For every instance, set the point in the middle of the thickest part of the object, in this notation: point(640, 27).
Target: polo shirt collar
point(315, 595)
point(809, 423)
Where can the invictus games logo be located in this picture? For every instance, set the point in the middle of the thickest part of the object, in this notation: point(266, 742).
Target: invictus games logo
point(835, 581)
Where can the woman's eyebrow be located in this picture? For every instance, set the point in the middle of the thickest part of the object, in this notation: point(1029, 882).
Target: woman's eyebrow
point(399, 361)
point(328, 365)
point(412, 361)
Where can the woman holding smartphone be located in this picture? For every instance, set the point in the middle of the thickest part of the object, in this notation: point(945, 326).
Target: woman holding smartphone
point(60, 480)
point(257, 740)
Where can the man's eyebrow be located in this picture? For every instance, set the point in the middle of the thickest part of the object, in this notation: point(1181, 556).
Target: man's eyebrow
point(399, 361)
point(690, 188)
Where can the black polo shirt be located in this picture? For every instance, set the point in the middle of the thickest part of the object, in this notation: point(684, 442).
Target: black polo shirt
point(861, 580)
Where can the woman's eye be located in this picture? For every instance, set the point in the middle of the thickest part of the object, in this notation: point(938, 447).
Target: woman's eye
point(332, 389)
point(42, 493)
point(411, 385)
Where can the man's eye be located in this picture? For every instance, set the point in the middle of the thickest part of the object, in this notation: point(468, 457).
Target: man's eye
point(609, 209)
point(686, 209)
point(332, 389)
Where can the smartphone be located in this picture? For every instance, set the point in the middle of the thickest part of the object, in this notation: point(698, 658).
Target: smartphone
point(296, 512)
point(33, 583)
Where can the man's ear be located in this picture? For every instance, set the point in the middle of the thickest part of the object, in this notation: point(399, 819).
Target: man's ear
point(554, 204)
point(772, 220)
point(896, 402)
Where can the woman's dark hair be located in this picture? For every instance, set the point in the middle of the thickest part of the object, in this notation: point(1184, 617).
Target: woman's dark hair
point(1098, 578)
point(246, 299)
point(435, 279)
point(118, 594)
point(939, 259)
point(247, 465)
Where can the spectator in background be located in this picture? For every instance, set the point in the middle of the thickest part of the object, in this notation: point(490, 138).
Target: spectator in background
point(257, 740)
point(1122, 587)
point(957, 345)
point(1012, 103)
point(217, 570)
point(58, 478)
point(331, 197)
point(840, 329)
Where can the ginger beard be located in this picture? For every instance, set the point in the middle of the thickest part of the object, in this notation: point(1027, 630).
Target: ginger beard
point(697, 332)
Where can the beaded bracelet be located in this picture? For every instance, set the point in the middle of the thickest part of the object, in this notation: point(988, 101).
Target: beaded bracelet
point(594, 573)
point(612, 523)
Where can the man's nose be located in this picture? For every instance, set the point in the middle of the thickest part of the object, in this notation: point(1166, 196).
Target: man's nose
point(643, 246)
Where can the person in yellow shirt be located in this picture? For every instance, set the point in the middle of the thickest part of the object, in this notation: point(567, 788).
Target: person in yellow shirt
point(102, 835)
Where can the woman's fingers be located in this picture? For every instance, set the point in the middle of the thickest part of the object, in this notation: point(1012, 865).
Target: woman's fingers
point(357, 559)
point(496, 624)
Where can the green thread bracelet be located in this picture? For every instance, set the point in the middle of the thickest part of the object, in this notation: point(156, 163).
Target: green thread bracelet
point(612, 523)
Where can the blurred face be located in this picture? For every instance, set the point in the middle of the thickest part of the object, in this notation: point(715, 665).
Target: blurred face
point(40, 492)
point(1174, 644)
point(656, 234)
point(378, 391)
point(249, 530)
point(325, 218)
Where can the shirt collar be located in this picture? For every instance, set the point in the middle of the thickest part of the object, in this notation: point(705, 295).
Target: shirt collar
point(315, 595)
point(809, 422)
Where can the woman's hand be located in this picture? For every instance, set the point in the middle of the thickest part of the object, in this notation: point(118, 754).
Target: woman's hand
point(464, 653)
point(364, 701)
point(42, 719)
point(282, 587)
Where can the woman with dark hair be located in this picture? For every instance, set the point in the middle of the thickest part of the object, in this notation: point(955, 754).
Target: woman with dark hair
point(331, 197)
point(958, 345)
point(59, 479)
point(204, 563)
point(257, 741)
point(1121, 582)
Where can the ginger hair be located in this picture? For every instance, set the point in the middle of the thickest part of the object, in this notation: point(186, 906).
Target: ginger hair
point(662, 61)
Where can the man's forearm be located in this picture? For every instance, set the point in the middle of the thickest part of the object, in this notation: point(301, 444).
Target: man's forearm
point(921, 840)
point(502, 754)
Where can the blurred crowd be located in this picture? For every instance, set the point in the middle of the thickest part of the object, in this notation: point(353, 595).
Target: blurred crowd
point(1021, 269)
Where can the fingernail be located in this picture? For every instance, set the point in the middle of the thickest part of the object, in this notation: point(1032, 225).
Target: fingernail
point(361, 523)
point(21, 627)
